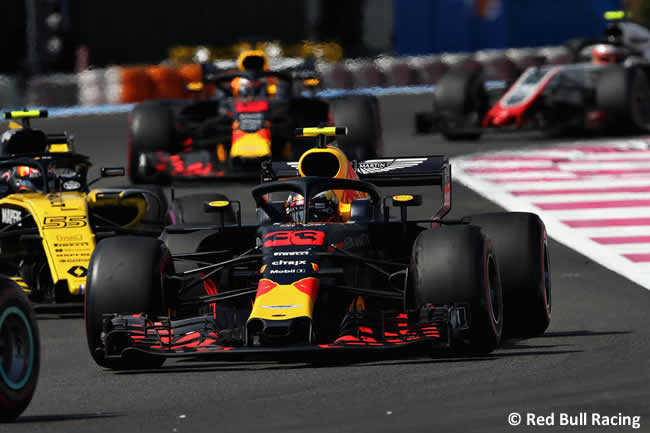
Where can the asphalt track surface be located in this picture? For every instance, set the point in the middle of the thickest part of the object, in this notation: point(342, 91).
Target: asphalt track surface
point(593, 358)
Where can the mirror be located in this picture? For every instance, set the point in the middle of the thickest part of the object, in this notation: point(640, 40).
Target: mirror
point(112, 171)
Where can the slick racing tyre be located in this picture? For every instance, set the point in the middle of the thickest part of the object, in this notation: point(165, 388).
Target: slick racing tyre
point(19, 351)
point(460, 100)
point(360, 114)
point(158, 210)
point(190, 210)
point(521, 245)
point(624, 94)
point(457, 265)
point(151, 128)
point(125, 276)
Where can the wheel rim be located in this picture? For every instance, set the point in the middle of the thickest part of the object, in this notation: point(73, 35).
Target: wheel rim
point(16, 348)
point(493, 293)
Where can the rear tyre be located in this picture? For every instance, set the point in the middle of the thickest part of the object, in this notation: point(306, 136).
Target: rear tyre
point(19, 351)
point(460, 100)
point(360, 114)
point(158, 212)
point(190, 210)
point(125, 276)
point(624, 94)
point(151, 128)
point(457, 265)
point(521, 244)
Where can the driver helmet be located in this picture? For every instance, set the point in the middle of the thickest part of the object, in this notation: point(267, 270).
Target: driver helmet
point(22, 178)
point(603, 54)
point(324, 207)
point(613, 33)
point(253, 60)
point(246, 88)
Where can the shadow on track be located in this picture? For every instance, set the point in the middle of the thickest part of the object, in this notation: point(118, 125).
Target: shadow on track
point(66, 417)
point(368, 360)
point(582, 333)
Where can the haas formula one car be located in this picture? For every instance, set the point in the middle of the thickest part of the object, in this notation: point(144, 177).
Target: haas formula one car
point(611, 92)
point(327, 268)
point(50, 220)
point(251, 119)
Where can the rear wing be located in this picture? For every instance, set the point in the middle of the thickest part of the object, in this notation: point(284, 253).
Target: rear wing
point(402, 171)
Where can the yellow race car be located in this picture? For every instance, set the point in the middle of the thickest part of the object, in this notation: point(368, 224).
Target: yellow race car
point(50, 220)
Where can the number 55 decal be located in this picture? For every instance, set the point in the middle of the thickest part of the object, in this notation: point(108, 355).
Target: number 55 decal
point(60, 222)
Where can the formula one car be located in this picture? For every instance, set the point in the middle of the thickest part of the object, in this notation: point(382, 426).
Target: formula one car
point(326, 269)
point(611, 92)
point(50, 220)
point(251, 119)
point(19, 351)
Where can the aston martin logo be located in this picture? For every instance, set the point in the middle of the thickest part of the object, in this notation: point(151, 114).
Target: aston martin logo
point(78, 271)
point(384, 165)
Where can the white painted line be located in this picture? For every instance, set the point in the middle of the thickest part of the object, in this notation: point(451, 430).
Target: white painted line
point(577, 198)
point(586, 183)
point(525, 175)
point(601, 232)
point(506, 164)
point(598, 165)
point(630, 248)
point(582, 214)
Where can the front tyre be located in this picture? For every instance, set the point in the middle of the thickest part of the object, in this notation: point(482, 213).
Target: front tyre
point(125, 276)
point(19, 351)
point(360, 114)
point(457, 265)
point(151, 129)
point(624, 94)
point(460, 101)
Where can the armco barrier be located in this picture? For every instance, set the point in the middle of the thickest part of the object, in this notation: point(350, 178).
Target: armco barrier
point(130, 84)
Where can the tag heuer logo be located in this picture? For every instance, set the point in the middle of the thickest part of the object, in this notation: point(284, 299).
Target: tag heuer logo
point(78, 271)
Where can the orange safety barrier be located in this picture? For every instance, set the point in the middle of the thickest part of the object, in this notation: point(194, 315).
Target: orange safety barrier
point(190, 72)
point(136, 85)
point(167, 82)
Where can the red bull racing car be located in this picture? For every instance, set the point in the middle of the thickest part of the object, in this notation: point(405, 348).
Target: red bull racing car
point(251, 119)
point(326, 269)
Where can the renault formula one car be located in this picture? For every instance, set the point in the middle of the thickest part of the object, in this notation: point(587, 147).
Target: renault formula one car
point(251, 119)
point(312, 277)
point(612, 92)
point(50, 220)
point(19, 351)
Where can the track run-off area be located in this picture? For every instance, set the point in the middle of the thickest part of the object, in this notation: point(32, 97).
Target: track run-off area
point(592, 359)
point(593, 196)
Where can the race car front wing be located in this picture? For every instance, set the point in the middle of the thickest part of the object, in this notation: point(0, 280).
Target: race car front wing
point(197, 164)
point(126, 335)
